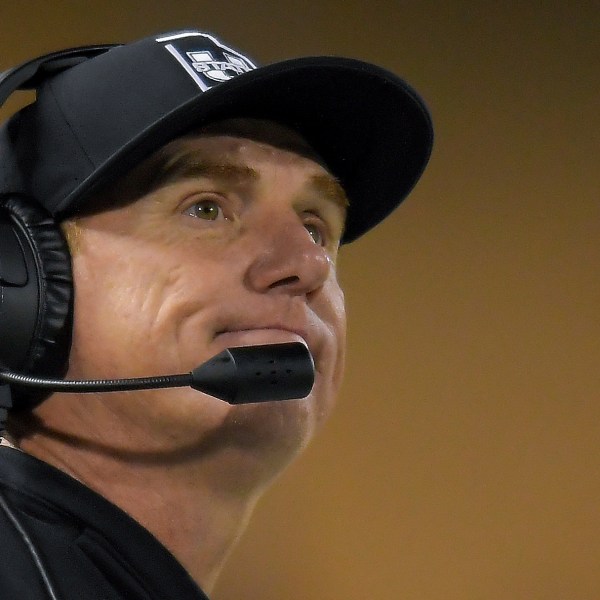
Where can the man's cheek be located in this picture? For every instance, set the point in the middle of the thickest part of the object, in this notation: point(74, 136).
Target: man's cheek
point(335, 308)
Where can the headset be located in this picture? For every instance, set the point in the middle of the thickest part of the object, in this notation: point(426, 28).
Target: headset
point(36, 290)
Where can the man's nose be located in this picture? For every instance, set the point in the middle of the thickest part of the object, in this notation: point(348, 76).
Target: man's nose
point(287, 259)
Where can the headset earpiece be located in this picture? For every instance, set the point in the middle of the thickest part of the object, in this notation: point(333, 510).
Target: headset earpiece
point(36, 294)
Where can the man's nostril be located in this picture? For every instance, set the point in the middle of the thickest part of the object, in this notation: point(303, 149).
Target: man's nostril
point(285, 281)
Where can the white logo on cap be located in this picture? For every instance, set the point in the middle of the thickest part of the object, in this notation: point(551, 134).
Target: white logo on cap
point(206, 67)
point(218, 70)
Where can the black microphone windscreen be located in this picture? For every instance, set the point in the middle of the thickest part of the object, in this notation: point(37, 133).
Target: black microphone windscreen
point(257, 373)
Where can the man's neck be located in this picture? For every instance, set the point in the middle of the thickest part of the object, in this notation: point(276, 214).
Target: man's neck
point(196, 503)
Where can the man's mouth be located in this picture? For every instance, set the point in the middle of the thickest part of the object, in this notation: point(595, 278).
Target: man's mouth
point(271, 334)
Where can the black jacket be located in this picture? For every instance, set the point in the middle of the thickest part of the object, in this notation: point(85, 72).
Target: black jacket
point(54, 528)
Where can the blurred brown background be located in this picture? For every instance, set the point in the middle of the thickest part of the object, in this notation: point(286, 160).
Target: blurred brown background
point(464, 459)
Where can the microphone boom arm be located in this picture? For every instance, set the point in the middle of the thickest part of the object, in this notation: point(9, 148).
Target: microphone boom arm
point(237, 375)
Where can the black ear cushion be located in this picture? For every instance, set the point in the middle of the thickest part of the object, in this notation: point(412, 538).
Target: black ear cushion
point(50, 342)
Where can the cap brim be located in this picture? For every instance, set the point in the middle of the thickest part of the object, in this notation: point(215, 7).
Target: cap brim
point(372, 130)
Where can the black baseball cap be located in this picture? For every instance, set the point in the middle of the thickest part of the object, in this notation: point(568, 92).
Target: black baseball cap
point(94, 121)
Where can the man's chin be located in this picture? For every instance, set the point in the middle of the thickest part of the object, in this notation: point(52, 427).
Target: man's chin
point(273, 431)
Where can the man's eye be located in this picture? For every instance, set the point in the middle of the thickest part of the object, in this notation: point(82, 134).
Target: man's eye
point(209, 210)
point(316, 233)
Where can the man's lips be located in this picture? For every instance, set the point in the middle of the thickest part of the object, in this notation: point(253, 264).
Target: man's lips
point(259, 335)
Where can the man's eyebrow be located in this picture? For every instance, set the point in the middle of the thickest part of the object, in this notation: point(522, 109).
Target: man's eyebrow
point(330, 188)
point(184, 166)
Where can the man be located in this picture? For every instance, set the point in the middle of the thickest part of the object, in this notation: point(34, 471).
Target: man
point(204, 201)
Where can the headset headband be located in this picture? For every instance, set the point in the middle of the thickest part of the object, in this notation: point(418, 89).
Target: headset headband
point(28, 75)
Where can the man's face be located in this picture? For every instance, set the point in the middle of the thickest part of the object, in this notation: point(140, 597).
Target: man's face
point(236, 247)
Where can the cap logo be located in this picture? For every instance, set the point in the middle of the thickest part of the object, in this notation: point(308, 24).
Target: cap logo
point(206, 60)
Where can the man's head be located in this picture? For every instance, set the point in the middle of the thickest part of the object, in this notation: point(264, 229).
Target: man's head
point(359, 128)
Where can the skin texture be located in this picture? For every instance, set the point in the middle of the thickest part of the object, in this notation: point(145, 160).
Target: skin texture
point(237, 246)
